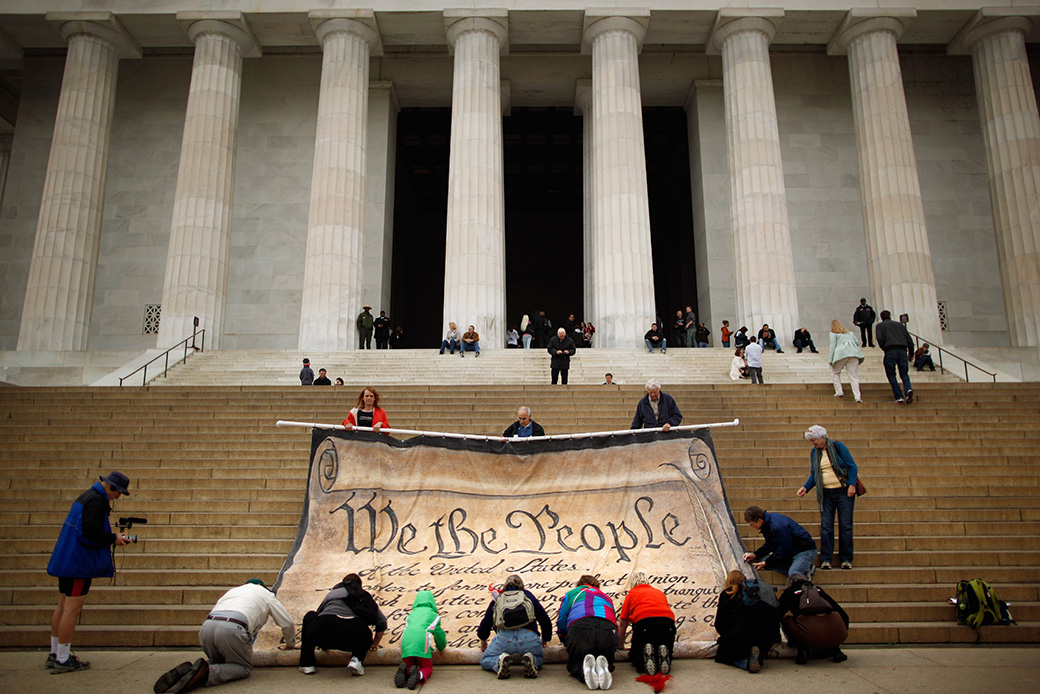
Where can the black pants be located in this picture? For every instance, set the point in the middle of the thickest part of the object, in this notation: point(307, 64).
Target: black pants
point(332, 632)
point(587, 635)
point(866, 335)
point(656, 631)
point(556, 373)
point(382, 341)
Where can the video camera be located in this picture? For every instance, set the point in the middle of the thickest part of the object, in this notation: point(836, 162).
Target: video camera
point(125, 524)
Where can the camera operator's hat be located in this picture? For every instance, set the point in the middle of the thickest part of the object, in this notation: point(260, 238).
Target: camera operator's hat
point(119, 482)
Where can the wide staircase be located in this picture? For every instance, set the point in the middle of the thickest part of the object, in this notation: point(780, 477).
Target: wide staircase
point(953, 489)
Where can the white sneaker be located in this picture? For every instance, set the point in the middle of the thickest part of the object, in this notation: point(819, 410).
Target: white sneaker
point(307, 669)
point(355, 667)
point(603, 677)
point(589, 668)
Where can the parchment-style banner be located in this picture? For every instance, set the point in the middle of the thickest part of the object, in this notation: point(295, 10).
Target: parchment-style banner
point(453, 516)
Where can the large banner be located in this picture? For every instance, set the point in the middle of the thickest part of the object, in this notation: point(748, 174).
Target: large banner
point(455, 516)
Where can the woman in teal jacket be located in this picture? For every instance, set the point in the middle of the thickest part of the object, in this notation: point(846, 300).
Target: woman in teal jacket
point(833, 473)
point(422, 632)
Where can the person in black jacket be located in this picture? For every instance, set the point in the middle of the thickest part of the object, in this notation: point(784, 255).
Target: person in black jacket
point(656, 409)
point(894, 339)
point(864, 317)
point(814, 630)
point(562, 348)
point(524, 425)
point(747, 628)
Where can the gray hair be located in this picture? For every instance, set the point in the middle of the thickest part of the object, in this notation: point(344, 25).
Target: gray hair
point(637, 578)
point(513, 582)
point(653, 384)
point(815, 432)
point(525, 408)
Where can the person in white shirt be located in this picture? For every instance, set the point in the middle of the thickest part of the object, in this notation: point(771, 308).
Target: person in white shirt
point(753, 354)
point(227, 638)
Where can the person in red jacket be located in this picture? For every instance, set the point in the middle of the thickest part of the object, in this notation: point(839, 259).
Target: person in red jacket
point(367, 412)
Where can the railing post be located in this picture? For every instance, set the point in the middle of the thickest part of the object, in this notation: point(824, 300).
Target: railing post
point(144, 375)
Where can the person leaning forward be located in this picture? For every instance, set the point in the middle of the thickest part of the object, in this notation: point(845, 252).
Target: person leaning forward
point(517, 631)
point(342, 622)
point(81, 554)
point(524, 425)
point(227, 638)
point(656, 409)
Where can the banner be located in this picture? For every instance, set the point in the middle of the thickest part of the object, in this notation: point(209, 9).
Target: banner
point(455, 515)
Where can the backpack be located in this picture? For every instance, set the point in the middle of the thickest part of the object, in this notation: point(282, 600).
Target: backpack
point(977, 605)
point(811, 601)
point(361, 603)
point(513, 610)
point(755, 590)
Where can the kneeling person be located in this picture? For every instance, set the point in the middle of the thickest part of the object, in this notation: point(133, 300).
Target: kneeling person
point(813, 622)
point(516, 616)
point(653, 626)
point(342, 622)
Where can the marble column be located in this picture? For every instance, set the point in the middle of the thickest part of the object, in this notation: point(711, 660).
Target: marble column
point(764, 271)
point(474, 256)
point(898, 258)
point(1011, 135)
point(379, 193)
point(60, 292)
point(200, 232)
point(333, 272)
point(583, 107)
point(623, 274)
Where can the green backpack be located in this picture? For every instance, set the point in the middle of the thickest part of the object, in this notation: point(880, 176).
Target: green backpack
point(977, 604)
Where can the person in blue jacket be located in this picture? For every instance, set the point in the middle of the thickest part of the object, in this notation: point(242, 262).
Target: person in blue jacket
point(656, 409)
point(788, 549)
point(834, 476)
point(82, 553)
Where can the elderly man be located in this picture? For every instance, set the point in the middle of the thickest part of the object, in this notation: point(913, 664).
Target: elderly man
point(522, 629)
point(227, 638)
point(524, 426)
point(81, 554)
point(656, 409)
point(470, 341)
point(562, 348)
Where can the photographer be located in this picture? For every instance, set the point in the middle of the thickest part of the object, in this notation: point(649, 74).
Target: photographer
point(82, 553)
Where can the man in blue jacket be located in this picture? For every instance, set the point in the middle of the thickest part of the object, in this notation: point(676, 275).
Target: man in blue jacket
point(788, 549)
point(656, 409)
point(82, 553)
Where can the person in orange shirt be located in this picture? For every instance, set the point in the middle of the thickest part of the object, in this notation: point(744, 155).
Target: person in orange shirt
point(367, 412)
point(725, 332)
point(653, 626)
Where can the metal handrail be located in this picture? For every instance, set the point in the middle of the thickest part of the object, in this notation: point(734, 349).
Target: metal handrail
point(942, 369)
point(166, 355)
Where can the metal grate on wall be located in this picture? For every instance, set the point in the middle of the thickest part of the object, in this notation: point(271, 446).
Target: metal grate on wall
point(944, 321)
point(152, 313)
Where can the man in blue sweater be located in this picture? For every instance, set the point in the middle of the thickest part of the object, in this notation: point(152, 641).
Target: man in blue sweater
point(788, 549)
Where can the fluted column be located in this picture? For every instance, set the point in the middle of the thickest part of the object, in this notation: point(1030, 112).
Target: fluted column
point(474, 255)
point(1011, 135)
point(764, 272)
point(200, 232)
point(60, 292)
point(333, 275)
point(623, 273)
point(583, 107)
point(898, 257)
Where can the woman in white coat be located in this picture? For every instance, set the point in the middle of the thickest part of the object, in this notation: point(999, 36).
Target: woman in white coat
point(845, 354)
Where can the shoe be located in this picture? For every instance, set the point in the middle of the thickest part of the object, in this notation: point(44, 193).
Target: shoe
point(664, 658)
point(779, 351)
point(401, 676)
point(193, 679)
point(664, 351)
point(70, 665)
point(858, 400)
point(754, 664)
point(308, 669)
point(478, 354)
point(355, 667)
point(530, 671)
point(846, 565)
point(442, 352)
point(588, 667)
point(839, 657)
point(899, 401)
point(503, 666)
point(839, 395)
point(413, 678)
point(462, 353)
point(648, 659)
point(909, 396)
point(825, 566)
point(799, 352)
point(171, 677)
point(52, 659)
point(803, 656)
point(815, 351)
point(603, 677)
point(651, 351)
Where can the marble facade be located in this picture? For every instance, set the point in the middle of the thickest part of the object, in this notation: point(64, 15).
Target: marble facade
point(833, 155)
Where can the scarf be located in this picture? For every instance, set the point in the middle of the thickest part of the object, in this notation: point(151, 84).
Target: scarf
point(836, 462)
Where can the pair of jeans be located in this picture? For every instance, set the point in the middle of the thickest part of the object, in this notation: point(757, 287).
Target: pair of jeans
point(725, 343)
point(527, 341)
point(925, 362)
point(448, 344)
point(799, 565)
point(897, 358)
point(840, 501)
point(802, 344)
point(657, 631)
point(680, 338)
point(515, 642)
point(767, 342)
point(650, 345)
point(589, 635)
point(702, 344)
point(469, 347)
point(756, 374)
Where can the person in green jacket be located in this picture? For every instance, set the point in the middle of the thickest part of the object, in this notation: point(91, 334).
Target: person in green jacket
point(422, 631)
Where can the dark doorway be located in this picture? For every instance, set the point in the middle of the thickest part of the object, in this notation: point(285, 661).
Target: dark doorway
point(544, 209)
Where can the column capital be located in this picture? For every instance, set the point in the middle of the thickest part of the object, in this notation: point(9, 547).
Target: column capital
point(231, 24)
point(860, 21)
point(729, 21)
point(582, 97)
point(102, 24)
point(599, 20)
point(458, 22)
point(990, 20)
point(358, 22)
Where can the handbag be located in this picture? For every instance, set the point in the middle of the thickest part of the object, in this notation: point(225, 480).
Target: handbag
point(861, 488)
